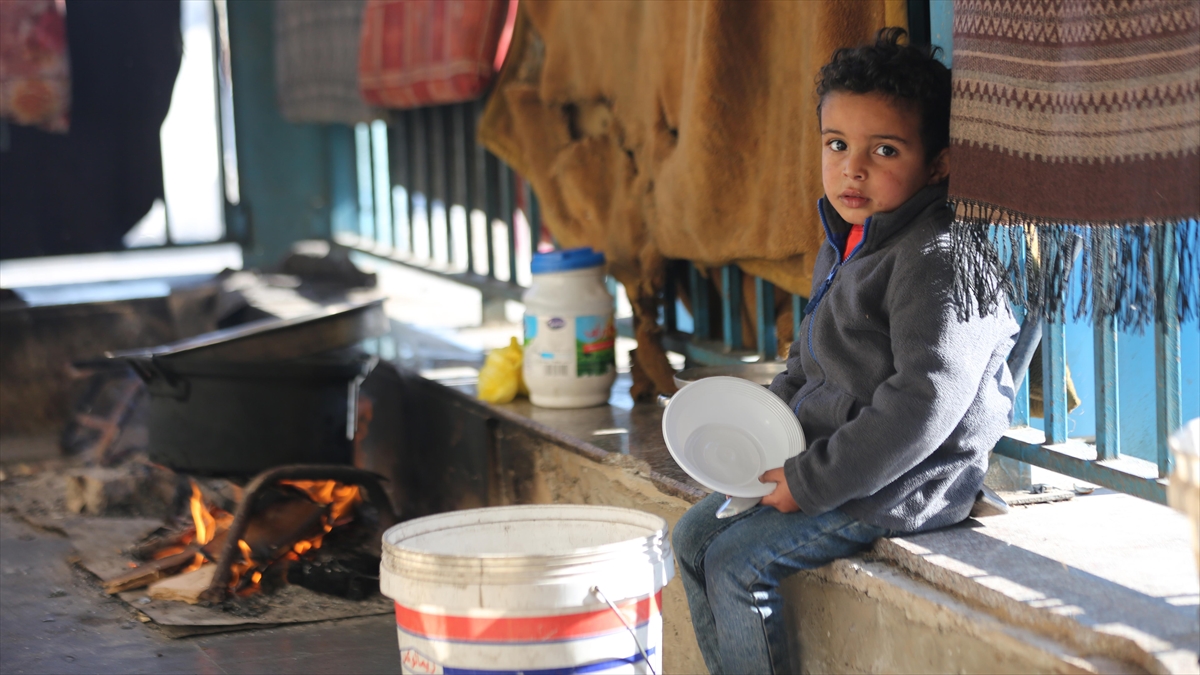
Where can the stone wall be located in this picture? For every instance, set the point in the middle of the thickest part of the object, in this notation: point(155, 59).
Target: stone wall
point(854, 616)
point(880, 613)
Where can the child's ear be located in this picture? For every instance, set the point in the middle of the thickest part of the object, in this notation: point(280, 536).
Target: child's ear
point(939, 168)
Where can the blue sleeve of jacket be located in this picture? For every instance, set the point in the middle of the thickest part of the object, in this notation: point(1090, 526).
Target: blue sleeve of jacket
point(940, 365)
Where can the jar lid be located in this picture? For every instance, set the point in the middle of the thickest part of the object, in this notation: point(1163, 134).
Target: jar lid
point(564, 261)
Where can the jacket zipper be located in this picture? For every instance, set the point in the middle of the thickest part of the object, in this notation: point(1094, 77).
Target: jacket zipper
point(815, 303)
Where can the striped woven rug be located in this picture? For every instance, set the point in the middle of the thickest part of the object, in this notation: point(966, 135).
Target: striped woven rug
point(1076, 127)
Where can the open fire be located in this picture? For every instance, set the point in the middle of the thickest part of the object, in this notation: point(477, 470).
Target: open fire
point(285, 525)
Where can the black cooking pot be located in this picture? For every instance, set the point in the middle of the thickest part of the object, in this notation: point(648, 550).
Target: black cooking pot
point(245, 399)
point(221, 418)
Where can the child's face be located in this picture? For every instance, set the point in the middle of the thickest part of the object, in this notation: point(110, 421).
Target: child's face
point(872, 159)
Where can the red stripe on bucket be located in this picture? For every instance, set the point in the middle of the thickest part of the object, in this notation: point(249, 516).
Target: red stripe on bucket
point(526, 628)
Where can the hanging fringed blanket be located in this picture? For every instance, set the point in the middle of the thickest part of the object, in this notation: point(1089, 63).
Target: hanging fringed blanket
point(1075, 136)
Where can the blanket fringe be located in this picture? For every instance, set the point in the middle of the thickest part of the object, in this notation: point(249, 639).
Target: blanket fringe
point(1004, 253)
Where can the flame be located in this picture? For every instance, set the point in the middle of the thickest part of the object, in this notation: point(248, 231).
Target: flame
point(171, 550)
point(206, 525)
point(239, 569)
point(247, 573)
point(196, 564)
point(339, 497)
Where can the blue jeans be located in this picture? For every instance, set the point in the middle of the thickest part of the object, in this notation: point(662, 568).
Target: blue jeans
point(732, 569)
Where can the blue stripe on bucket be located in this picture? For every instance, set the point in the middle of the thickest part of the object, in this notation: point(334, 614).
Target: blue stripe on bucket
point(570, 670)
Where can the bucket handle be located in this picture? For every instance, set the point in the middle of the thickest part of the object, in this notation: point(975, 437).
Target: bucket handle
point(600, 594)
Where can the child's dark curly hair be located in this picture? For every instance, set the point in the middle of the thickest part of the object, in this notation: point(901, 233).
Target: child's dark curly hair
point(908, 73)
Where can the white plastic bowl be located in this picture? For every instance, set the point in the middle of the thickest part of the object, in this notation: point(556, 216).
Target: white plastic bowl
point(725, 432)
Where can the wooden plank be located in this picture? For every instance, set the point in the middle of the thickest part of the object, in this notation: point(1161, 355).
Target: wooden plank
point(183, 587)
point(144, 575)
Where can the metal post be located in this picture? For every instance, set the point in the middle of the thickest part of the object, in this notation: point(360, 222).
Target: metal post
point(342, 189)
point(670, 315)
point(492, 205)
point(366, 202)
point(381, 185)
point(764, 293)
point(471, 183)
point(1108, 405)
point(505, 188)
point(437, 171)
point(1166, 347)
point(799, 304)
point(421, 175)
point(457, 175)
point(402, 177)
point(535, 218)
point(702, 329)
point(412, 173)
point(731, 306)
point(482, 167)
point(1021, 404)
point(1054, 380)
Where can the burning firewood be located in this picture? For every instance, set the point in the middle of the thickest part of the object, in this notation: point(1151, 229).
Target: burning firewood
point(183, 587)
point(146, 574)
point(324, 485)
point(283, 523)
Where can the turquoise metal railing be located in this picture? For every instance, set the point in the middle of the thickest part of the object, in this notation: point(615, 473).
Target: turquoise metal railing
point(428, 196)
point(426, 162)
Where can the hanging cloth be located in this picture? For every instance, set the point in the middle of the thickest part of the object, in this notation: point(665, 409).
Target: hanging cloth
point(316, 61)
point(35, 82)
point(81, 191)
point(1075, 127)
point(428, 52)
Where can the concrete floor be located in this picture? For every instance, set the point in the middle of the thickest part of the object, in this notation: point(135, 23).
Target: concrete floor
point(55, 619)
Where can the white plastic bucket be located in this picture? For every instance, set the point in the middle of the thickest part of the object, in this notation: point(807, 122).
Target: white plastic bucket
point(522, 589)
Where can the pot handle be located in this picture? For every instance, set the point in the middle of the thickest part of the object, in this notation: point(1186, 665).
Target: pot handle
point(159, 382)
point(352, 397)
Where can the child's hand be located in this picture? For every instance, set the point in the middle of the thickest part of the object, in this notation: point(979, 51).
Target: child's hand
point(781, 498)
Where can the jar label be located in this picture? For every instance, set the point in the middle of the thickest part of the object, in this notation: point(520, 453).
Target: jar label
point(570, 347)
point(530, 328)
point(595, 342)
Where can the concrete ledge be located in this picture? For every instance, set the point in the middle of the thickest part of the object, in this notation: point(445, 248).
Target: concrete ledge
point(974, 599)
point(861, 616)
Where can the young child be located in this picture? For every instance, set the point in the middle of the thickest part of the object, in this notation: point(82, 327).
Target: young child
point(900, 402)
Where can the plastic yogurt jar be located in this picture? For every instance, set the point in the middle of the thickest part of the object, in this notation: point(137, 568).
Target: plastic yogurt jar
point(570, 361)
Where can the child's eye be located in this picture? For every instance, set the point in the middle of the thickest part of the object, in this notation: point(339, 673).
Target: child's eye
point(886, 151)
point(837, 145)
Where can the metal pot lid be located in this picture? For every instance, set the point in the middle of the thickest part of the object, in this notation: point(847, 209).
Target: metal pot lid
point(334, 327)
point(761, 373)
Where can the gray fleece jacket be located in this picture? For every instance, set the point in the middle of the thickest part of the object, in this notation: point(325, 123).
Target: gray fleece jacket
point(899, 401)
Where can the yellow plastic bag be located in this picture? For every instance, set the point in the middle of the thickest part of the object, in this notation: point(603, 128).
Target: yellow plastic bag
point(500, 378)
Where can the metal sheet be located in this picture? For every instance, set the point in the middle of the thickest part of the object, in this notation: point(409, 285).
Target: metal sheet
point(270, 340)
point(762, 373)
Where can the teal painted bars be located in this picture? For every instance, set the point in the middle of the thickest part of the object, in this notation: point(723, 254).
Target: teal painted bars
point(475, 179)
